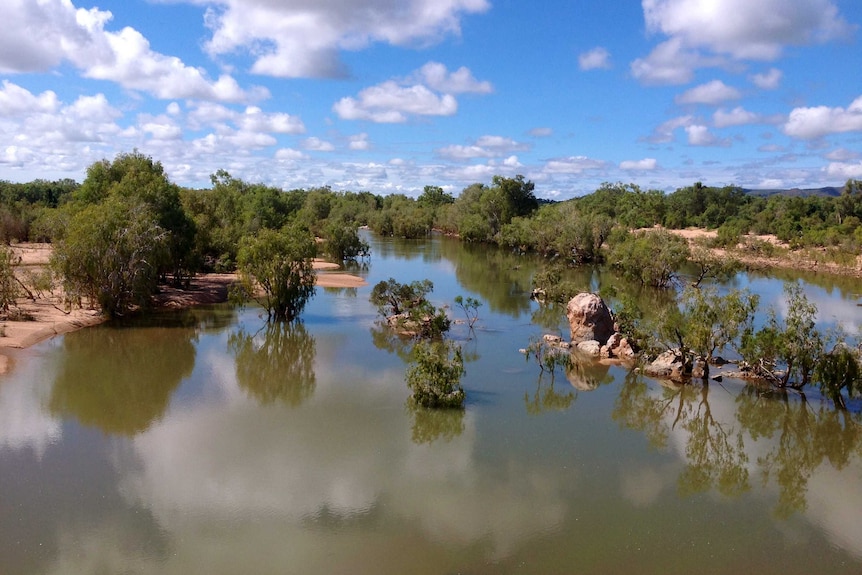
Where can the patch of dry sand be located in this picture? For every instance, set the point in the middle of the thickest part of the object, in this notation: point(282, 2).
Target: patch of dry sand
point(46, 317)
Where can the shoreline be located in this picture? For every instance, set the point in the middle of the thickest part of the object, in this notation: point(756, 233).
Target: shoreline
point(45, 318)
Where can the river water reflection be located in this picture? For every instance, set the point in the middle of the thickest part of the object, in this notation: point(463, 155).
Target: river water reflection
point(208, 442)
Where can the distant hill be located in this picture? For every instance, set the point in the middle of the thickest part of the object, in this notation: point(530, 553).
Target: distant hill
point(830, 191)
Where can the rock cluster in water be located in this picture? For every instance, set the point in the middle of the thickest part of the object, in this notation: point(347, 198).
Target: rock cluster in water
point(593, 330)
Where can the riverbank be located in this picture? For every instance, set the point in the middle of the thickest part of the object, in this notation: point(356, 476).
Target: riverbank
point(44, 317)
point(811, 259)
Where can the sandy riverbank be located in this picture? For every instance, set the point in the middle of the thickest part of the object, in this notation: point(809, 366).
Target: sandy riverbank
point(812, 260)
point(46, 317)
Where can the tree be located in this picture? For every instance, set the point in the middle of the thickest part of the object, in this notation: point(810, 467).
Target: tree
point(787, 352)
point(435, 376)
point(406, 308)
point(470, 307)
point(434, 196)
point(280, 263)
point(110, 255)
point(343, 242)
point(393, 298)
point(133, 179)
point(651, 257)
point(708, 322)
point(9, 286)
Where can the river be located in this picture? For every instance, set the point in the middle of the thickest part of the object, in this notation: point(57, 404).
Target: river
point(206, 441)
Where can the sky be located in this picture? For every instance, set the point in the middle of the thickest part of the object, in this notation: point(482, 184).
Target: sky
point(390, 96)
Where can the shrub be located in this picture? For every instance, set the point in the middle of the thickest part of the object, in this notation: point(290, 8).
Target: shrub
point(435, 375)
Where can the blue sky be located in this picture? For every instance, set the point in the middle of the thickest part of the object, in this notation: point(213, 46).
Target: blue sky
point(393, 95)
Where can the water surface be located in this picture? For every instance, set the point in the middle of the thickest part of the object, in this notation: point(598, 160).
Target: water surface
point(209, 442)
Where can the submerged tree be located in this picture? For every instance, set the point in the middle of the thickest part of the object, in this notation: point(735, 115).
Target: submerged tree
point(708, 322)
point(650, 257)
point(407, 310)
point(435, 375)
point(280, 263)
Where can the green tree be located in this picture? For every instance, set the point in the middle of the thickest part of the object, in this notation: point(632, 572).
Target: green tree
point(434, 378)
point(134, 179)
point(651, 257)
point(280, 263)
point(343, 242)
point(708, 322)
point(9, 286)
point(407, 310)
point(110, 255)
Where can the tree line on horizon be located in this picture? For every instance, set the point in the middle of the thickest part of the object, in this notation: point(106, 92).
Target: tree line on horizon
point(150, 230)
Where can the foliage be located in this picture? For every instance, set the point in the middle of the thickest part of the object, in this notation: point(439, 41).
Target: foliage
point(280, 262)
point(787, 351)
point(650, 257)
point(708, 322)
point(435, 375)
point(549, 285)
point(839, 370)
point(546, 355)
point(393, 298)
point(710, 266)
point(470, 307)
point(9, 286)
point(406, 308)
point(109, 255)
point(343, 242)
point(135, 179)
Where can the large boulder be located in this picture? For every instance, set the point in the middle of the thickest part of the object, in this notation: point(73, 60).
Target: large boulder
point(589, 318)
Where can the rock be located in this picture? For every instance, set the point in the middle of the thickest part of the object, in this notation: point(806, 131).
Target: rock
point(698, 369)
point(666, 365)
point(552, 339)
point(589, 318)
point(590, 347)
point(625, 350)
point(717, 378)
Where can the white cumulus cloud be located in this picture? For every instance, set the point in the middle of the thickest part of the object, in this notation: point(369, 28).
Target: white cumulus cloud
point(303, 38)
point(39, 36)
point(703, 33)
point(768, 80)
point(818, 121)
point(844, 170)
point(714, 92)
point(739, 116)
point(596, 59)
point(427, 92)
point(461, 81)
point(639, 165)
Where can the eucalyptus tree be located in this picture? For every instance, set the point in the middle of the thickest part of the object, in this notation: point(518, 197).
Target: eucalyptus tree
point(278, 264)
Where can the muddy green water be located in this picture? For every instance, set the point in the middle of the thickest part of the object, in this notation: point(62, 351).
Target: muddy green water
point(206, 442)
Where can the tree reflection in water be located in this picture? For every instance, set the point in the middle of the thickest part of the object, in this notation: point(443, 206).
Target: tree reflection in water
point(801, 439)
point(124, 391)
point(791, 436)
point(429, 424)
point(546, 398)
point(277, 363)
point(714, 450)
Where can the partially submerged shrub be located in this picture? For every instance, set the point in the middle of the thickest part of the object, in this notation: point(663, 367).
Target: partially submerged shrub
point(407, 311)
point(435, 375)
